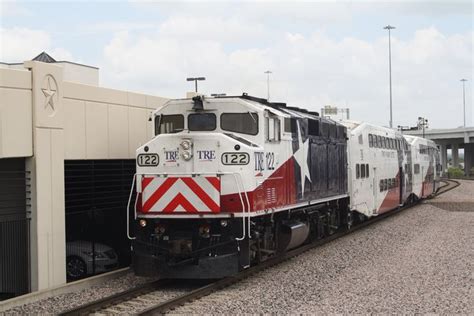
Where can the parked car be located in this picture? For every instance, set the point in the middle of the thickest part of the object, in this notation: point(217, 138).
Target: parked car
point(85, 258)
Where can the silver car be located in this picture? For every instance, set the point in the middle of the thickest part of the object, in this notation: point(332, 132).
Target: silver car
point(81, 261)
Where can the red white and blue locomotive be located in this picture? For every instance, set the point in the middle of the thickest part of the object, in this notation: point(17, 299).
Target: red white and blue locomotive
point(228, 182)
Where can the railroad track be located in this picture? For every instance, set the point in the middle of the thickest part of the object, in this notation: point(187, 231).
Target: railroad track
point(449, 185)
point(105, 305)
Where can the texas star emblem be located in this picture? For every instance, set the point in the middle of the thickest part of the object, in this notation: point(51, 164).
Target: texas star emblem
point(50, 91)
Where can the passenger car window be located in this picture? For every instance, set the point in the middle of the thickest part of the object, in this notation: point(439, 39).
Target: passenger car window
point(168, 124)
point(202, 122)
point(367, 170)
point(362, 171)
point(244, 123)
point(357, 171)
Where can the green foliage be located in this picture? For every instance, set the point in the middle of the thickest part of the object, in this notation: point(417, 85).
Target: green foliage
point(455, 172)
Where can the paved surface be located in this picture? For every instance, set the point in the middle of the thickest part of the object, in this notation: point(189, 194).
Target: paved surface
point(419, 261)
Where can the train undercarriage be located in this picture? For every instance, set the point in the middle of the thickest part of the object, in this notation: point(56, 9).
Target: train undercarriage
point(218, 247)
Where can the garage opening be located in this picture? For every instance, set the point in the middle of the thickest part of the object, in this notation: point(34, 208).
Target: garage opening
point(96, 194)
point(14, 228)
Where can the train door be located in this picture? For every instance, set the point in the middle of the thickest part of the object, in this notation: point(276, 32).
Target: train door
point(422, 181)
point(375, 191)
point(400, 183)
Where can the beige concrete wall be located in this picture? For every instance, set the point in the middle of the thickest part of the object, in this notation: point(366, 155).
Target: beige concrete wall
point(104, 123)
point(79, 73)
point(48, 119)
point(15, 113)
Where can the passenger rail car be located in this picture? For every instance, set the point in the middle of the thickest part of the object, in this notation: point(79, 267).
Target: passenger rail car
point(388, 169)
point(228, 182)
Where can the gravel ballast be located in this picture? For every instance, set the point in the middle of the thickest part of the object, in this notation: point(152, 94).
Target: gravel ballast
point(418, 261)
point(60, 303)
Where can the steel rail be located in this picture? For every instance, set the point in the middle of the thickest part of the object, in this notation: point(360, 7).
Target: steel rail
point(116, 299)
point(450, 184)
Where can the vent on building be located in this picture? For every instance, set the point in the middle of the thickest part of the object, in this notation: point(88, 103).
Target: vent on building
point(45, 58)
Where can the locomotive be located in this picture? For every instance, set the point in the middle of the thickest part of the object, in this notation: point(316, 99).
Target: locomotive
point(228, 182)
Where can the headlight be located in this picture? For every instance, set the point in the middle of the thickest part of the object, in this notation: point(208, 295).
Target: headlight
point(204, 231)
point(187, 155)
point(224, 223)
point(142, 223)
point(160, 229)
point(186, 144)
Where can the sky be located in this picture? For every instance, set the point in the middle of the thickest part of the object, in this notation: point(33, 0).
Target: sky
point(319, 52)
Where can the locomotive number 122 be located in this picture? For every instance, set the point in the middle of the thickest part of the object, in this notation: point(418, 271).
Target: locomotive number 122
point(235, 158)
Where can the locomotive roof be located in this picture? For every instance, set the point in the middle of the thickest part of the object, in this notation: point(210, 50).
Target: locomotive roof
point(280, 107)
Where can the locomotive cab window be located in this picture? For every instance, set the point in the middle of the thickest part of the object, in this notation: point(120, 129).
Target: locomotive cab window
point(244, 123)
point(168, 124)
point(313, 127)
point(272, 129)
point(202, 122)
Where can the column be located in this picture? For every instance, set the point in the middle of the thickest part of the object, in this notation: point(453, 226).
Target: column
point(48, 238)
point(444, 157)
point(455, 155)
point(468, 158)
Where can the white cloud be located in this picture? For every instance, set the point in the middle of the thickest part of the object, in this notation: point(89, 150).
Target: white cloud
point(13, 8)
point(20, 44)
point(308, 71)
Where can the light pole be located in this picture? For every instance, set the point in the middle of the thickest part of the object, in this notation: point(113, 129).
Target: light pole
point(389, 27)
point(464, 99)
point(422, 123)
point(196, 81)
point(268, 72)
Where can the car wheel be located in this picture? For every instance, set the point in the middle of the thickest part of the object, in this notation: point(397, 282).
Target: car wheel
point(75, 267)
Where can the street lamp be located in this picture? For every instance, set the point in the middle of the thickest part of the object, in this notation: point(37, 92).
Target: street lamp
point(389, 27)
point(268, 72)
point(196, 81)
point(422, 123)
point(464, 99)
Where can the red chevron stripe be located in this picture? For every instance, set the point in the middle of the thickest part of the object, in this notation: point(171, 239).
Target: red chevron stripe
point(158, 194)
point(201, 194)
point(146, 181)
point(177, 201)
point(215, 182)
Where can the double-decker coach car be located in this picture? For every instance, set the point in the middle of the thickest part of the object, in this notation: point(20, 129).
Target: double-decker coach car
point(426, 166)
point(380, 177)
point(227, 182)
point(388, 169)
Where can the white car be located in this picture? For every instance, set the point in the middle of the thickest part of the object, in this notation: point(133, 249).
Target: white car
point(81, 262)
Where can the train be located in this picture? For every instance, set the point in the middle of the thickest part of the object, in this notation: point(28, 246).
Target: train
point(228, 182)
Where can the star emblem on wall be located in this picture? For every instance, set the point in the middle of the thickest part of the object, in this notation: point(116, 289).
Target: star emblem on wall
point(301, 157)
point(50, 90)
